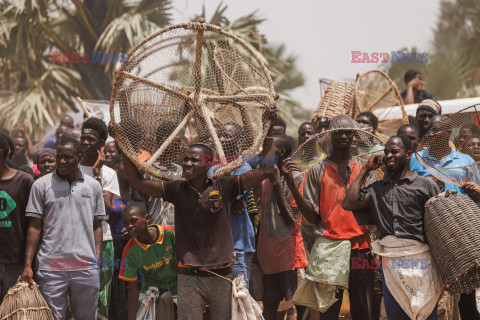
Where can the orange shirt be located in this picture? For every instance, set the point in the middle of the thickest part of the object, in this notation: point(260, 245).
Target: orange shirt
point(339, 223)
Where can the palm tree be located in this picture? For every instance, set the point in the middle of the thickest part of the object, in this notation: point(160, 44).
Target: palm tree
point(282, 66)
point(32, 30)
point(453, 68)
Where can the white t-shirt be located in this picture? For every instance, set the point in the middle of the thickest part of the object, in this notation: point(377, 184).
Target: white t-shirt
point(110, 184)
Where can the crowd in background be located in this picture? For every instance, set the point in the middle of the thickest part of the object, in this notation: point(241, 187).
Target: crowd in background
point(76, 210)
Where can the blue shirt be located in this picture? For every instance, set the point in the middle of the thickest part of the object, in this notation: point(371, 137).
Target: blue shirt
point(50, 143)
point(242, 227)
point(463, 168)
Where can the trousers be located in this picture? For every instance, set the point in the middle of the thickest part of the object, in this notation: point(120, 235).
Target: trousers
point(360, 291)
point(82, 287)
point(197, 291)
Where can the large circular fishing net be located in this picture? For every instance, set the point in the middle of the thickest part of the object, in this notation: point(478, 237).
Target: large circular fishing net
point(450, 150)
point(190, 83)
point(320, 146)
point(377, 93)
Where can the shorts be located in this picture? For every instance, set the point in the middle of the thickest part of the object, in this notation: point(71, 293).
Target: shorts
point(279, 286)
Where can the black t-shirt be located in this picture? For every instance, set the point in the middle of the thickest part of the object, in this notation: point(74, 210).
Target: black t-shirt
point(202, 221)
point(419, 97)
point(14, 194)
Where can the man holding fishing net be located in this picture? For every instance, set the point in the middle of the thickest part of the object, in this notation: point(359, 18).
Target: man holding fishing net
point(204, 243)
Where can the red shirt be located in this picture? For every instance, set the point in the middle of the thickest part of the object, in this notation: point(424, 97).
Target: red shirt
point(280, 244)
point(339, 223)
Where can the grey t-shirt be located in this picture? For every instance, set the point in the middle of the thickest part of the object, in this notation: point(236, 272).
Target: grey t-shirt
point(68, 211)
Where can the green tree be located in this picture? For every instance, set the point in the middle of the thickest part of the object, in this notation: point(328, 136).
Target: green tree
point(32, 30)
point(453, 64)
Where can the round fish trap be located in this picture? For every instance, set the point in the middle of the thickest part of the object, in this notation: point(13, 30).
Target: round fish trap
point(190, 83)
point(374, 90)
point(452, 227)
point(450, 150)
point(22, 303)
point(338, 99)
point(320, 146)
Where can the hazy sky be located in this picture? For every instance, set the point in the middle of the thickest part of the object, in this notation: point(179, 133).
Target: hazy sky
point(323, 33)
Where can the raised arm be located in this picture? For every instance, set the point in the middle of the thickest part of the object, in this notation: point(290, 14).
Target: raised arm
point(352, 200)
point(253, 178)
point(148, 187)
point(305, 207)
point(23, 131)
point(286, 211)
point(34, 234)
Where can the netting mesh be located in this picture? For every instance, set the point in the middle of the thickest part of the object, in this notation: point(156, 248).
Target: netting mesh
point(374, 90)
point(320, 146)
point(190, 83)
point(450, 150)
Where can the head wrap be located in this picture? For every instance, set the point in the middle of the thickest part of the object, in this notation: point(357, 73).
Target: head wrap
point(37, 155)
point(93, 132)
point(430, 105)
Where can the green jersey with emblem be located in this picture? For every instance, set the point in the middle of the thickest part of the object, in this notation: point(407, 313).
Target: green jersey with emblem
point(156, 262)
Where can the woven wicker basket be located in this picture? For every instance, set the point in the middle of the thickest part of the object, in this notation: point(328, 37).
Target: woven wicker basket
point(452, 226)
point(23, 303)
point(338, 99)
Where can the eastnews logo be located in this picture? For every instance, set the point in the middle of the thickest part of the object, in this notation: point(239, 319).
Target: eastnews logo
point(389, 263)
point(385, 57)
point(89, 57)
point(263, 161)
point(83, 264)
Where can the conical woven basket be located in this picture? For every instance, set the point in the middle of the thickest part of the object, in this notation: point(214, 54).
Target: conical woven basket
point(23, 303)
point(338, 99)
point(452, 226)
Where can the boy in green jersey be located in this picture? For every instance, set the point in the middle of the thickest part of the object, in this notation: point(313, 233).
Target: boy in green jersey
point(151, 252)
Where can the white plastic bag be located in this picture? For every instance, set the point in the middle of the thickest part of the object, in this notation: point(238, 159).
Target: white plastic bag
point(243, 305)
point(147, 308)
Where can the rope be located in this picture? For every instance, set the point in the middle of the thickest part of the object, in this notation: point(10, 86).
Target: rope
point(24, 310)
point(216, 274)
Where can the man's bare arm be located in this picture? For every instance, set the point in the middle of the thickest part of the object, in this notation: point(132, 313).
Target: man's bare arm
point(303, 205)
point(132, 300)
point(98, 236)
point(34, 234)
point(352, 200)
point(149, 187)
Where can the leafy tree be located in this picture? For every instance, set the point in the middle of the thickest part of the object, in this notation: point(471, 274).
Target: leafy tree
point(31, 31)
point(453, 68)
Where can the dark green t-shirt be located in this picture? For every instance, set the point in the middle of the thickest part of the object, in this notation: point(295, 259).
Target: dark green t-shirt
point(14, 194)
point(156, 262)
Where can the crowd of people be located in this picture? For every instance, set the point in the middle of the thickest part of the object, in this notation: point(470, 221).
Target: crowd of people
point(100, 238)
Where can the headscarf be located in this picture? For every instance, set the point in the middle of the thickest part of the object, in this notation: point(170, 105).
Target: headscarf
point(37, 155)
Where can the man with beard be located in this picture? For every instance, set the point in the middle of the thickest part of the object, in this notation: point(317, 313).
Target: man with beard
point(325, 186)
point(397, 206)
point(440, 154)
